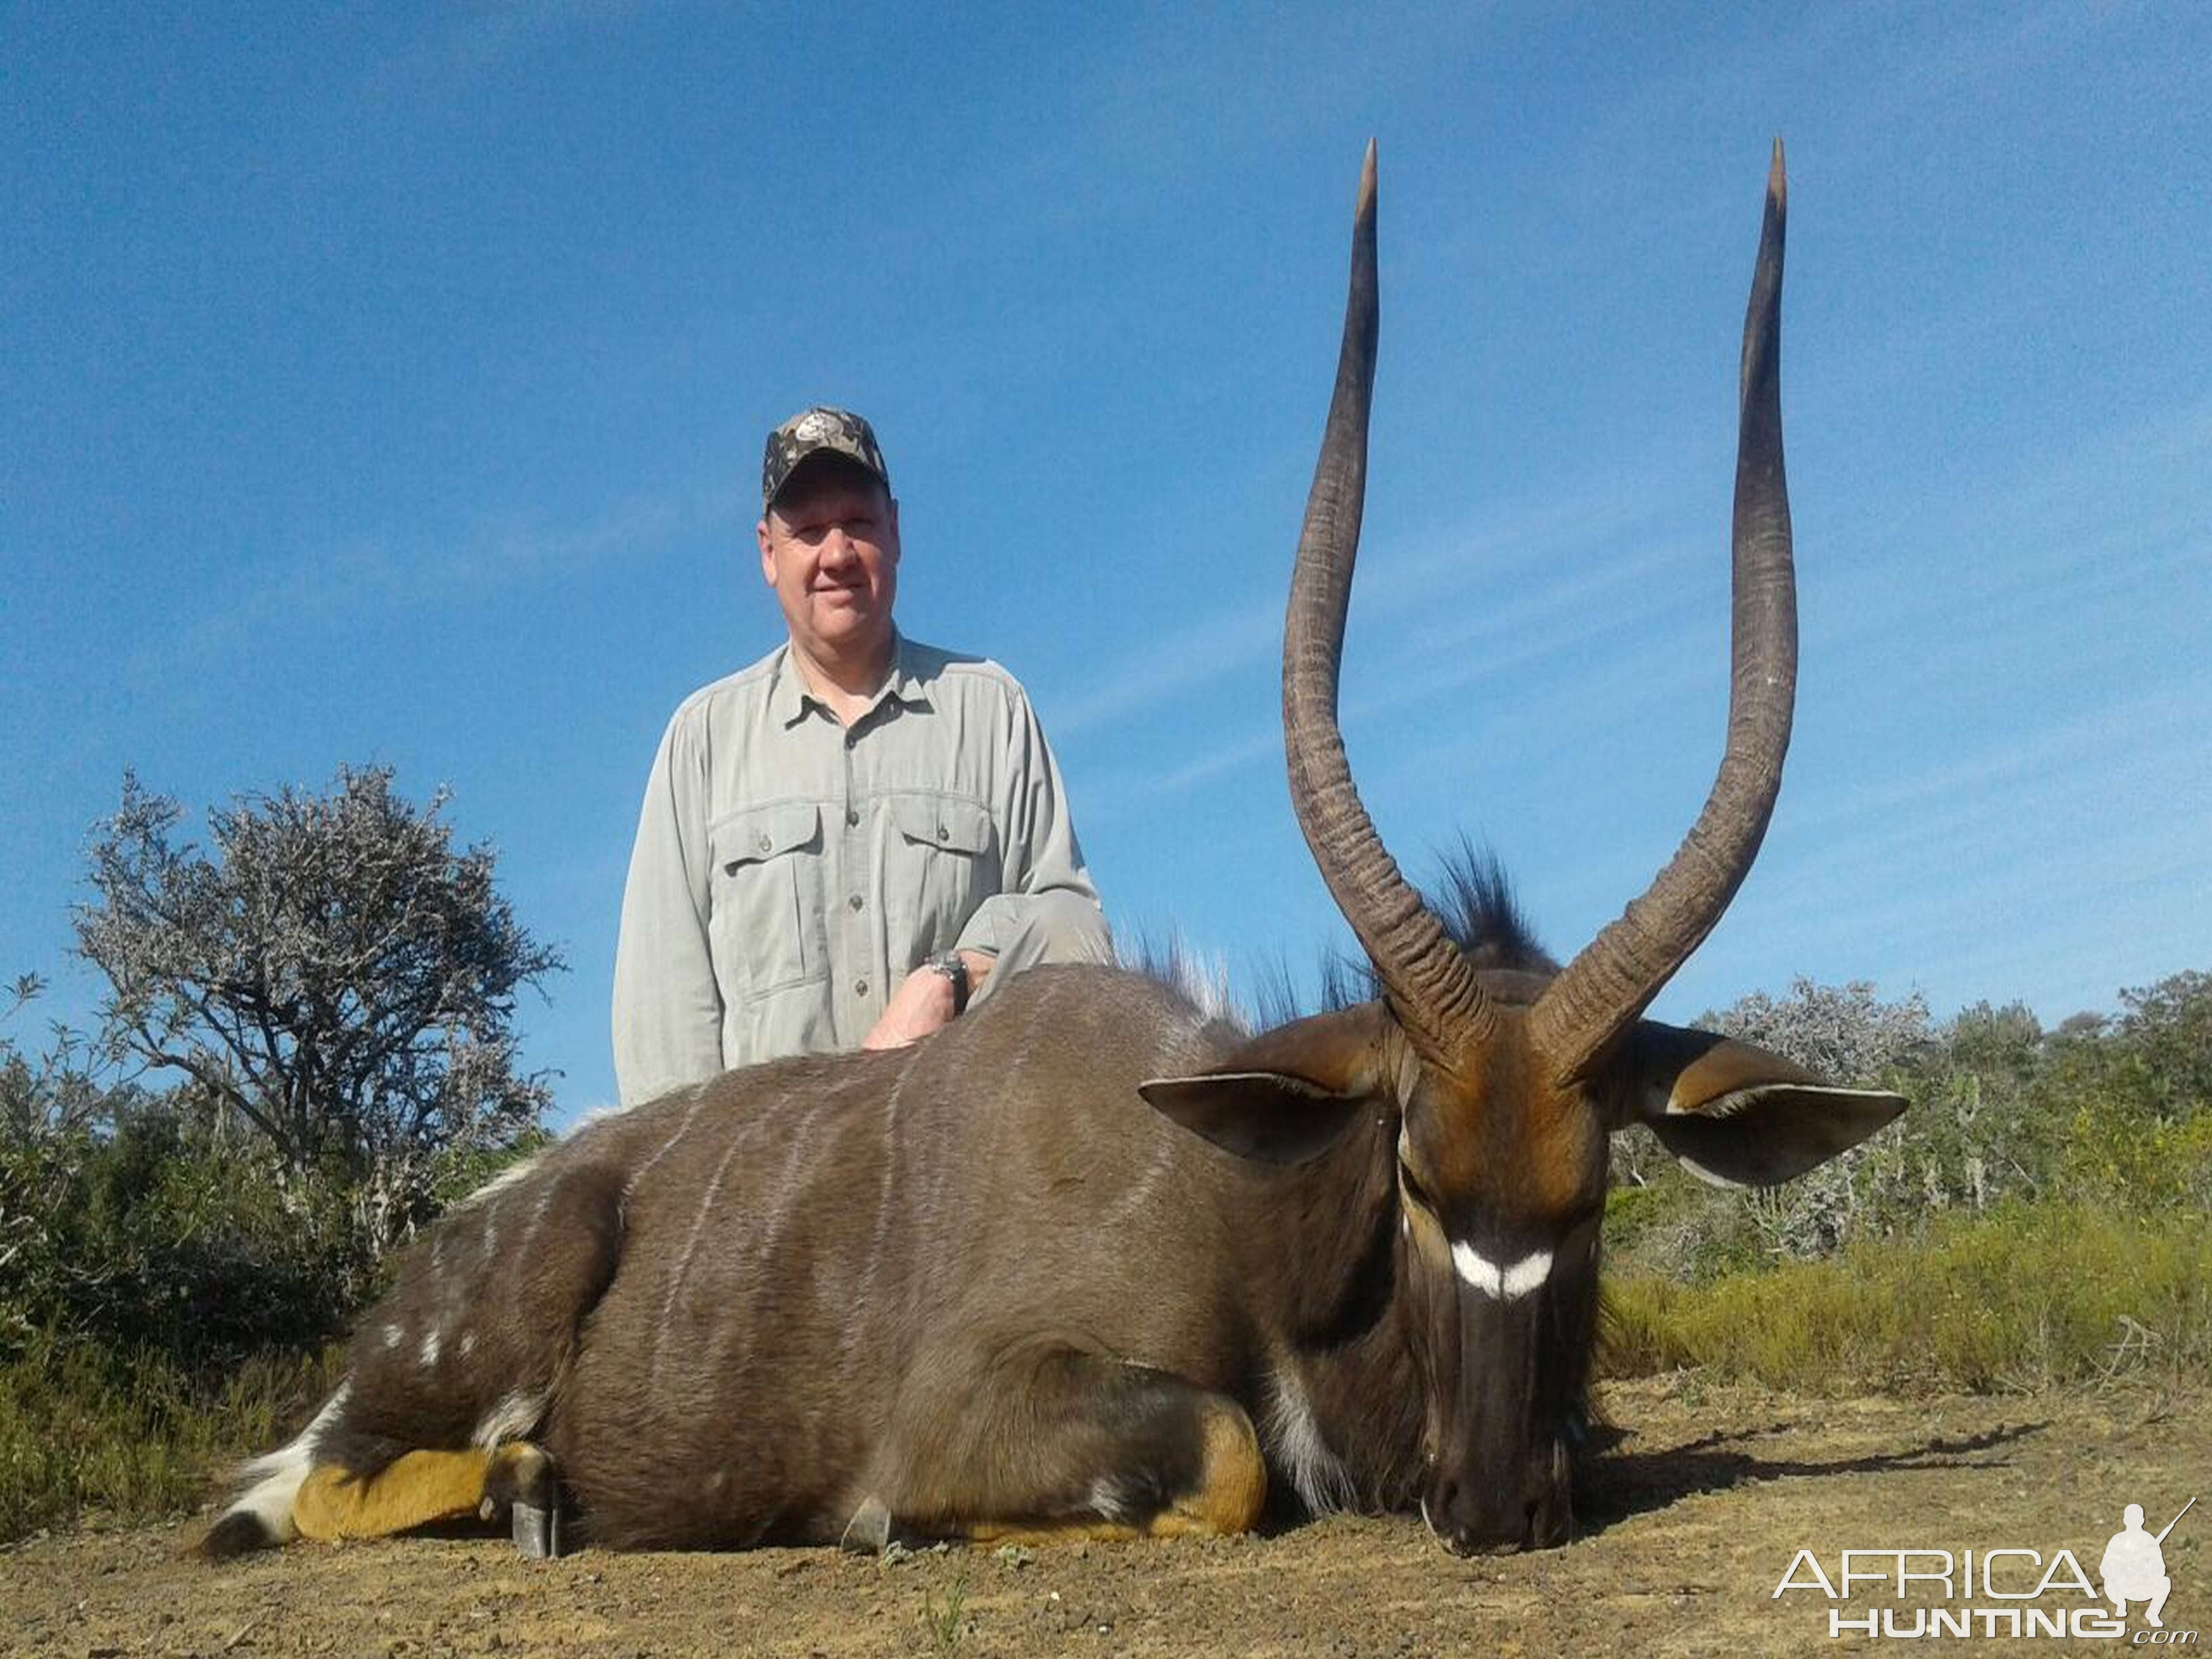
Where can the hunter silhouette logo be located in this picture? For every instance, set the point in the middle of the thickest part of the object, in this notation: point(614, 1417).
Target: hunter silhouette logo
point(2134, 1567)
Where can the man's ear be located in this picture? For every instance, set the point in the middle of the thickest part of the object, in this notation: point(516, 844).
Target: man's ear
point(1736, 1115)
point(1285, 1098)
point(767, 551)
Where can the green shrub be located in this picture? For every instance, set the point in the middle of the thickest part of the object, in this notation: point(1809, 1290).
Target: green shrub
point(2113, 1113)
point(158, 1236)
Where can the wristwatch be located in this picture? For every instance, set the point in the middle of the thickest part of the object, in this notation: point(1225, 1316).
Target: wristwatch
point(955, 969)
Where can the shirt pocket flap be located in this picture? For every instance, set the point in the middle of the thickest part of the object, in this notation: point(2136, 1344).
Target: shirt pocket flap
point(945, 821)
point(762, 832)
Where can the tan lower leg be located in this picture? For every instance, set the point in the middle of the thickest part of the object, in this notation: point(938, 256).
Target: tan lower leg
point(415, 1490)
point(1230, 1492)
point(1232, 1486)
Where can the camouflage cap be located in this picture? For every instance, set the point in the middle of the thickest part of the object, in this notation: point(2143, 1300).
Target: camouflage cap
point(809, 433)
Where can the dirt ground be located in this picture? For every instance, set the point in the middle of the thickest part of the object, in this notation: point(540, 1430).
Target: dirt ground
point(1688, 1525)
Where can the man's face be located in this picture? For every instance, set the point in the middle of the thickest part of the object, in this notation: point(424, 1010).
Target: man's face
point(830, 547)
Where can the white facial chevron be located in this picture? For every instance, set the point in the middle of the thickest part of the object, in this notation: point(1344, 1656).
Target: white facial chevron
point(1503, 1284)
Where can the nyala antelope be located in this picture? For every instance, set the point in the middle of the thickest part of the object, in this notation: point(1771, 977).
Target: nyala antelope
point(1089, 1262)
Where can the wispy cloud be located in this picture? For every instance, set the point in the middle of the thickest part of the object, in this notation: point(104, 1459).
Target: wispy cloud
point(2091, 742)
point(1489, 581)
point(1175, 666)
point(1497, 645)
point(489, 551)
point(2014, 857)
point(2121, 506)
point(487, 41)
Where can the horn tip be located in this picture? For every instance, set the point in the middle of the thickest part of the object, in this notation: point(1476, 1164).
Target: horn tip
point(1777, 182)
point(1367, 181)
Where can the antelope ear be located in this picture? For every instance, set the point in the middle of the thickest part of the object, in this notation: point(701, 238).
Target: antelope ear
point(1737, 1115)
point(1284, 1098)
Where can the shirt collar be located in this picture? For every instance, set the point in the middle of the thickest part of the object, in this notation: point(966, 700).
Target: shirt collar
point(789, 699)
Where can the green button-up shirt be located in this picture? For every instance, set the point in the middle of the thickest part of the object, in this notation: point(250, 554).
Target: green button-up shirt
point(790, 871)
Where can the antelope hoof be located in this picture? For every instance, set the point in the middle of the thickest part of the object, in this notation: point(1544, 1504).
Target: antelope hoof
point(869, 1531)
point(537, 1531)
point(521, 1483)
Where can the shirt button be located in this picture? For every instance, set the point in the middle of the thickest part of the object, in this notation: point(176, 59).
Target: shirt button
point(859, 987)
point(851, 816)
point(762, 843)
point(942, 834)
point(854, 901)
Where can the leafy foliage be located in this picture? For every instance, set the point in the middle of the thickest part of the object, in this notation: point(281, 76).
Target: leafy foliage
point(1844, 1033)
point(140, 1220)
point(2113, 1114)
point(167, 1296)
point(332, 973)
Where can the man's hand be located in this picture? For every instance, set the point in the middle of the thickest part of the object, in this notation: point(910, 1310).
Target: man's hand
point(923, 1002)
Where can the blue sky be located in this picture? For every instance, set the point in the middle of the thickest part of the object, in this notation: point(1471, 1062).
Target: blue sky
point(387, 383)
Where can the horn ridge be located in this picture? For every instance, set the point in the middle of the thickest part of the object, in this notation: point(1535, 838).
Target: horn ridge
point(1429, 984)
point(1602, 991)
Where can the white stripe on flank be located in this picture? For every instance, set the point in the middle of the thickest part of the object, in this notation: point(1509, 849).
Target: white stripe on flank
point(691, 1249)
point(683, 1128)
point(1501, 1284)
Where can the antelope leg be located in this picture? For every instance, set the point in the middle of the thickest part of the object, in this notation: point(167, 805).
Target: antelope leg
point(1054, 1443)
point(418, 1489)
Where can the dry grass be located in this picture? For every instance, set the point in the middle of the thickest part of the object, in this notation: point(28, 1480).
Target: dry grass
point(87, 1436)
point(2019, 1298)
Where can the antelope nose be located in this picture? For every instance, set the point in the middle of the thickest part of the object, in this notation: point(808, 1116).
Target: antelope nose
point(1468, 1540)
point(1466, 1528)
point(1471, 1519)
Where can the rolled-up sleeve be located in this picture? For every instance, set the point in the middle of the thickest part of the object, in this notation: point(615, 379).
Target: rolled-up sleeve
point(1041, 863)
point(667, 1005)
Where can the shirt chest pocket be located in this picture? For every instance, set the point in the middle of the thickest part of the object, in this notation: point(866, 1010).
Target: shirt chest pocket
point(766, 925)
point(941, 863)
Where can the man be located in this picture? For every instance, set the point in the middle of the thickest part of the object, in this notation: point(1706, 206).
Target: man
point(2134, 1567)
point(846, 843)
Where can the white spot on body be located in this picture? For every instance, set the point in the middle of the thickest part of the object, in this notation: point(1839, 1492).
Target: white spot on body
point(468, 1343)
point(392, 1336)
point(430, 1350)
point(1502, 1283)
